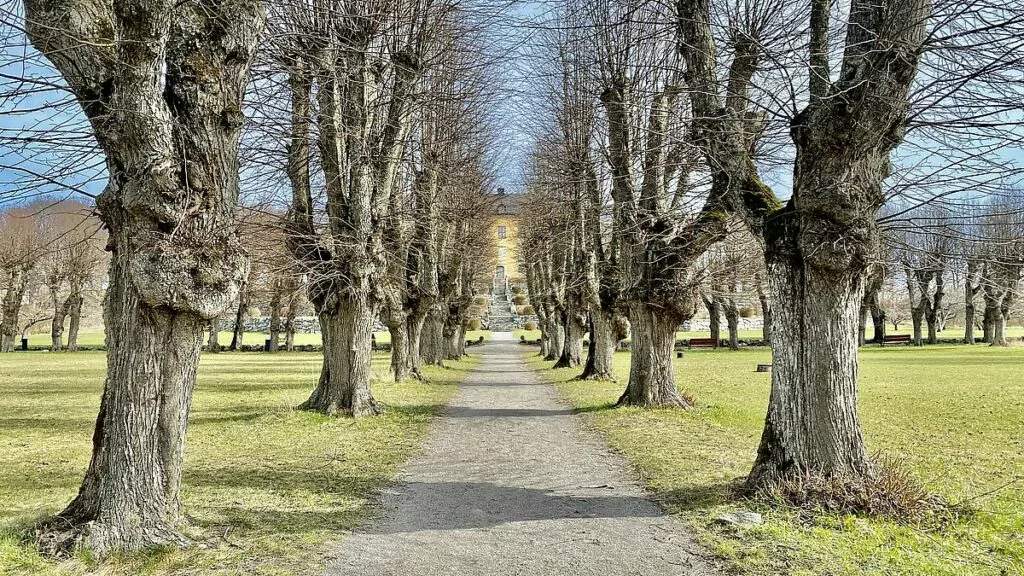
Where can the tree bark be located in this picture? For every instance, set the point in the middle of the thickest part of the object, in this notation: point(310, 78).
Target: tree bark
point(715, 323)
point(652, 381)
point(344, 384)
point(275, 320)
point(432, 338)
point(238, 333)
point(814, 367)
point(571, 355)
point(556, 337)
point(15, 295)
point(75, 321)
point(604, 338)
point(289, 323)
point(398, 327)
point(60, 313)
point(213, 343)
point(164, 99)
point(732, 318)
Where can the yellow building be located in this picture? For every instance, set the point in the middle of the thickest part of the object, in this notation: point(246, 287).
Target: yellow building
point(506, 231)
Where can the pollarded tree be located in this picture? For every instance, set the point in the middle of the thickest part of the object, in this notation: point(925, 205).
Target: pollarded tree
point(161, 83)
point(661, 238)
point(819, 246)
point(22, 249)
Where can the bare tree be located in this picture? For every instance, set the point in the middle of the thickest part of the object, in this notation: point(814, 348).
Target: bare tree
point(161, 84)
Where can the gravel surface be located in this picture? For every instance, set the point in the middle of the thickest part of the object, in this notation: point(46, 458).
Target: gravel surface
point(509, 482)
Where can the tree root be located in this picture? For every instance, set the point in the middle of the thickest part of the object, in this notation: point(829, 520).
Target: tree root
point(60, 537)
point(891, 491)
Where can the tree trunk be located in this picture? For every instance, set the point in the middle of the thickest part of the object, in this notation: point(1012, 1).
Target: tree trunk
point(652, 381)
point(862, 323)
point(732, 318)
point(917, 320)
point(11, 309)
point(238, 334)
point(766, 315)
point(878, 319)
point(129, 499)
point(399, 330)
point(452, 334)
point(432, 338)
point(557, 338)
point(571, 355)
point(603, 341)
point(164, 99)
point(213, 344)
point(60, 313)
point(344, 385)
point(715, 323)
point(812, 423)
point(275, 320)
point(289, 324)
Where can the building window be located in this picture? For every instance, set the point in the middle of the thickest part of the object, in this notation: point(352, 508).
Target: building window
point(501, 254)
point(502, 232)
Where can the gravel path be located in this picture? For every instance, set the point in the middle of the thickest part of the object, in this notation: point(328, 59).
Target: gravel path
point(509, 482)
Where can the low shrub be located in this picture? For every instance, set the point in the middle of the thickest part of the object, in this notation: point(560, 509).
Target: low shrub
point(527, 310)
point(480, 301)
point(519, 300)
point(473, 324)
point(531, 325)
point(747, 312)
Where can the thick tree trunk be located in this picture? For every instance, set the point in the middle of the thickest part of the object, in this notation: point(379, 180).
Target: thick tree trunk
point(399, 330)
point(344, 385)
point(452, 335)
point(164, 99)
point(571, 355)
point(603, 340)
point(432, 338)
point(812, 423)
point(556, 336)
point(129, 498)
point(652, 381)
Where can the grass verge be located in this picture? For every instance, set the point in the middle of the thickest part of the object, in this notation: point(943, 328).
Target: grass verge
point(954, 415)
point(267, 488)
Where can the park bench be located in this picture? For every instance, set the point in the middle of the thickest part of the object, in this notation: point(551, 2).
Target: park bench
point(702, 343)
point(896, 339)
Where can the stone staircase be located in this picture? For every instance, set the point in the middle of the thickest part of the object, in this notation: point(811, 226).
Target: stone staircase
point(500, 315)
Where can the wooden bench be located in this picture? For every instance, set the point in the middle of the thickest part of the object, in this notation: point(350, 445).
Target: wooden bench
point(896, 339)
point(702, 343)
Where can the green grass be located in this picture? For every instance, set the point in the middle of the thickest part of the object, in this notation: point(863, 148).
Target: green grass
point(94, 339)
point(954, 413)
point(267, 487)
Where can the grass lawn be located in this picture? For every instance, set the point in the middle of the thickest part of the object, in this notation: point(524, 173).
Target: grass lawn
point(95, 338)
point(267, 488)
point(954, 413)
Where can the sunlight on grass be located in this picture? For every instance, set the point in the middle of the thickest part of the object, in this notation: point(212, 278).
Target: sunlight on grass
point(266, 487)
point(956, 414)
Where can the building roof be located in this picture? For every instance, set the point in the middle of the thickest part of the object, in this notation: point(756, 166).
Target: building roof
point(505, 203)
